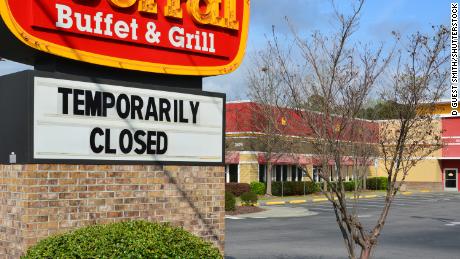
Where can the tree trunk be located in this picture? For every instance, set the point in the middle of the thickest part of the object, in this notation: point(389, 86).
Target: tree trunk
point(365, 181)
point(366, 253)
point(269, 179)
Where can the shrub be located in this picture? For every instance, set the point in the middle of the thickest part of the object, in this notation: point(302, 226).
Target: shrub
point(377, 183)
point(258, 188)
point(132, 239)
point(248, 198)
point(349, 186)
point(294, 188)
point(230, 201)
point(237, 188)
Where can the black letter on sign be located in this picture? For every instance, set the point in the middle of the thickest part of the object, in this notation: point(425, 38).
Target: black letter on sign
point(126, 149)
point(108, 100)
point(77, 102)
point(161, 135)
point(165, 107)
point(93, 104)
point(194, 110)
point(108, 150)
point(136, 106)
point(151, 142)
point(181, 111)
point(151, 110)
point(65, 99)
point(137, 137)
point(122, 114)
point(92, 140)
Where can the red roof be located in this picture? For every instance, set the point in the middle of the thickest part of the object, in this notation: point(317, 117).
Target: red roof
point(244, 117)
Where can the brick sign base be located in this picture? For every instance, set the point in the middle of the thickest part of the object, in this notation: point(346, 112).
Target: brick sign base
point(39, 200)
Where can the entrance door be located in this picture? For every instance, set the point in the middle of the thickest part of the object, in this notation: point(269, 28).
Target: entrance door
point(450, 179)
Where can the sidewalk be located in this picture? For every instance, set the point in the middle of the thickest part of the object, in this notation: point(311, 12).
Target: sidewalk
point(264, 201)
point(275, 212)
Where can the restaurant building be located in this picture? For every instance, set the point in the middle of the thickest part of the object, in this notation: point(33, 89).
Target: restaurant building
point(246, 163)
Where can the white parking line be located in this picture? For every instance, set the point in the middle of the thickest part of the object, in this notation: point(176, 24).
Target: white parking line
point(409, 202)
point(320, 206)
point(321, 209)
point(232, 217)
point(394, 203)
point(417, 200)
point(369, 205)
point(329, 207)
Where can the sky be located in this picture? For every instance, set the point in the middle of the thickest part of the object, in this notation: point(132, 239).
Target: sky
point(379, 18)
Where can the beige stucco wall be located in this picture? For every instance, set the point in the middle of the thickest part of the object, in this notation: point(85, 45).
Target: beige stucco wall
point(249, 168)
point(428, 170)
point(425, 171)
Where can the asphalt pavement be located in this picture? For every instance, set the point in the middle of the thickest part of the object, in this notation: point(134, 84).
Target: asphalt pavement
point(419, 226)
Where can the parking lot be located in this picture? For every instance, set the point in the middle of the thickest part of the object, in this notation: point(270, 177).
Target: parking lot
point(423, 225)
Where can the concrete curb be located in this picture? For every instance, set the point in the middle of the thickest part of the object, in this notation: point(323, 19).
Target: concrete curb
point(297, 201)
point(319, 199)
point(275, 203)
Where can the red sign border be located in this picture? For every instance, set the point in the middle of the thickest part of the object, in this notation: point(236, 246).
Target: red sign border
point(110, 61)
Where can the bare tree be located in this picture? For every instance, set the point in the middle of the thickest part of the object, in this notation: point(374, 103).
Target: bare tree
point(267, 91)
point(420, 81)
point(340, 75)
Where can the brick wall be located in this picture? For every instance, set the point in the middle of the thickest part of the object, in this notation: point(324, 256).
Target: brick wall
point(39, 200)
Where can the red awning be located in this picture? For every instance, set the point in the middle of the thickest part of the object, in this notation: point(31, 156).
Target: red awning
point(232, 157)
point(296, 159)
point(285, 159)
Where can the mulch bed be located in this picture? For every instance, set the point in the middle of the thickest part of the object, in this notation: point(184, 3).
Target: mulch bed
point(244, 210)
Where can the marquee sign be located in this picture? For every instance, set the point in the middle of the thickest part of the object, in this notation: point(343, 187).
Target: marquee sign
point(88, 121)
point(193, 37)
point(72, 119)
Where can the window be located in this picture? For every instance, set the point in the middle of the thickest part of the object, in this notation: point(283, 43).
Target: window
point(281, 173)
point(316, 173)
point(277, 173)
point(232, 173)
point(348, 171)
point(262, 175)
point(285, 173)
point(294, 173)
